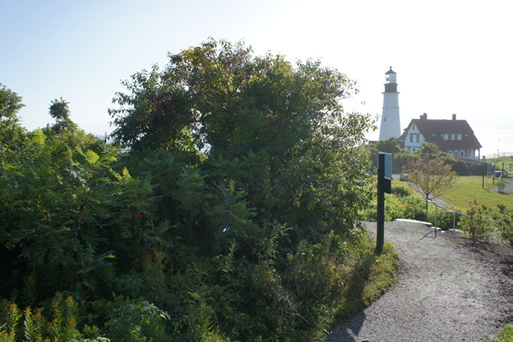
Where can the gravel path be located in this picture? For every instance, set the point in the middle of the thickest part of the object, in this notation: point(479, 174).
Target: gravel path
point(449, 290)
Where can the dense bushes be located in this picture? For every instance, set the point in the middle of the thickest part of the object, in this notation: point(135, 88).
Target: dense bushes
point(482, 222)
point(228, 212)
point(403, 202)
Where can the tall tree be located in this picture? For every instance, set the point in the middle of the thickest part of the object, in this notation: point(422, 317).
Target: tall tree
point(277, 130)
point(432, 176)
point(388, 145)
point(11, 133)
point(10, 104)
point(59, 110)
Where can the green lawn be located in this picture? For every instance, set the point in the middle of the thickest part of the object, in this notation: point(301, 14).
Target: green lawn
point(468, 189)
point(508, 162)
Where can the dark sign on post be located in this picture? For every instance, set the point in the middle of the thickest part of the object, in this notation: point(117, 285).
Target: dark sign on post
point(384, 186)
point(387, 165)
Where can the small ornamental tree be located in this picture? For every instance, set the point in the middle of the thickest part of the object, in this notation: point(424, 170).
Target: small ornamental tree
point(431, 176)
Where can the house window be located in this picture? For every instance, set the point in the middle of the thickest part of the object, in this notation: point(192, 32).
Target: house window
point(462, 153)
point(445, 136)
point(458, 137)
point(452, 136)
point(456, 154)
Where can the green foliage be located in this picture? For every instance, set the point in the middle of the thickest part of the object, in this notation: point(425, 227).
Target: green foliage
point(30, 325)
point(429, 150)
point(506, 334)
point(136, 321)
point(403, 158)
point(445, 219)
point(12, 134)
point(10, 104)
point(59, 110)
point(62, 211)
point(432, 176)
point(401, 189)
point(503, 221)
point(500, 184)
point(230, 214)
point(403, 202)
point(388, 146)
point(476, 223)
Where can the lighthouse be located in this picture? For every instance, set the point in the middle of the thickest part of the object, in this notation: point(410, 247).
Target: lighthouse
point(390, 123)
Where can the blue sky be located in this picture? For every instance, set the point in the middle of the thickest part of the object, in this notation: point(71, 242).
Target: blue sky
point(451, 56)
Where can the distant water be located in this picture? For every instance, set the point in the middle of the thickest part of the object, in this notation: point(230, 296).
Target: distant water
point(495, 145)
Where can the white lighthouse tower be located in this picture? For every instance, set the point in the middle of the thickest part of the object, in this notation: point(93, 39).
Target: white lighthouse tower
point(390, 123)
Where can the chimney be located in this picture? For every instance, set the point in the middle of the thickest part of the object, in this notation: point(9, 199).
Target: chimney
point(454, 116)
point(423, 116)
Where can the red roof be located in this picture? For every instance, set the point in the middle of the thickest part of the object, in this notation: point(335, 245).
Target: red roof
point(432, 131)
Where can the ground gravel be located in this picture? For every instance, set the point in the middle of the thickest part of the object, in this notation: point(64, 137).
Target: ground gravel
point(449, 289)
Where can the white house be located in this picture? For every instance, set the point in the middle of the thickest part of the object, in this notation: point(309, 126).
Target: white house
point(452, 136)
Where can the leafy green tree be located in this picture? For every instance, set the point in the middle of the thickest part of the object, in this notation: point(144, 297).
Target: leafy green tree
point(433, 152)
point(59, 110)
point(429, 150)
point(12, 134)
point(277, 131)
point(10, 104)
point(401, 159)
point(156, 114)
point(65, 212)
point(388, 146)
point(431, 176)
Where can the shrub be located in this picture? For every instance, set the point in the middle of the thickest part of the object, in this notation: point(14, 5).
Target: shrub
point(403, 202)
point(401, 189)
point(500, 183)
point(476, 223)
point(59, 324)
point(503, 222)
